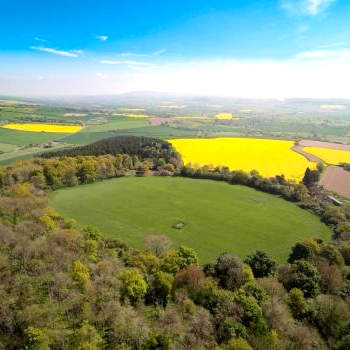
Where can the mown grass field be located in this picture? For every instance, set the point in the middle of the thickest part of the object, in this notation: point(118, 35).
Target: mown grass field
point(16, 137)
point(219, 217)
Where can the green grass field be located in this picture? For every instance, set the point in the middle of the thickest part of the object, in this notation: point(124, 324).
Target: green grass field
point(6, 147)
point(16, 137)
point(219, 217)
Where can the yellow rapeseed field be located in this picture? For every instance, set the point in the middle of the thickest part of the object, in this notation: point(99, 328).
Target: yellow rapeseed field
point(44, 127)
point(269, 157)
point(131, 115)
point(131, 109)
point(224, 116)
point(330, 156)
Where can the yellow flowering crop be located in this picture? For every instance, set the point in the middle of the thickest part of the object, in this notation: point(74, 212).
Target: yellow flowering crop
point(268, 157)
point(330, 156)
point(44, 127)
point(224, 116)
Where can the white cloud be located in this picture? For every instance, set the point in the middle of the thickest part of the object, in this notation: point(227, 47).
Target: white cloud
point(78, 52)
point(307, 78)
point(102, 37)
point(57, 52)
point(306, 7)
point(132, 63)
point(128, 54)
point(40, 39)
point(101, 75)
point(336, 44)
point(159, 52)
point(253, 79)
point(334, 55)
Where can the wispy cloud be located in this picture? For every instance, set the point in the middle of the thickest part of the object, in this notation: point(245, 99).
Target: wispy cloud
point(131, 54)
point(102, 37)
point(40, 39)
point(330, 45)
point(78, 52)
point(131, 63)
point(335, 55)
point(306, 7)
point(73, 53)
point(159, 52)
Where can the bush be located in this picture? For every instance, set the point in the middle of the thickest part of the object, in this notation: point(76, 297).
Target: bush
point(304, 276)
point(297, 303)
point(178, 259)
point(134, 286)
point(261, 264)
point(238, 344)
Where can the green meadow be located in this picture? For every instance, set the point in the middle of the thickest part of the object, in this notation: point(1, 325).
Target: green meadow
point(217, 216)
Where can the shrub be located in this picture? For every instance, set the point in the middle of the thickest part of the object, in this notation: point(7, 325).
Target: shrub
point(178, 259)
point(134, 286)
point(80, 273)
point(261, 264)
point(304, 275)
point(238, 344)
point(297, 303)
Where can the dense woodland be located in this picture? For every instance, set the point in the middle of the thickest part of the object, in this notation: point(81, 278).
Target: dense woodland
point(62, 287)
point(142, 147)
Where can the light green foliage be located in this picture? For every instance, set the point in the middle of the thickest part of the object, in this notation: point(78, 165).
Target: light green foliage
point(238, 344)
point(253, 316)
point(48, 223)
point(297, 303)
point(92, 232)
point(332, 254)
point(80, 273)
point(178, 259)
point(146, 262)
point(252, 289)
point(36, 339)
point(87, 338)
point(21, 190)
point(230, 328)
point(134, 285)
point(161, 286)
point(91, 249)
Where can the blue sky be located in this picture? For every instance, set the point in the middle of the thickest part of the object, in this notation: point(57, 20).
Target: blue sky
point(266, 48)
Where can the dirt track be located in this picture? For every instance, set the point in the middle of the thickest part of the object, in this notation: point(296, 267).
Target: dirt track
point(321, 144)
point(308, 156)
point(337, 180)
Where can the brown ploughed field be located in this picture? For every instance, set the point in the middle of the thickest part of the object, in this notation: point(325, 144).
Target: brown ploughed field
point(332, 145)
point(337, 180)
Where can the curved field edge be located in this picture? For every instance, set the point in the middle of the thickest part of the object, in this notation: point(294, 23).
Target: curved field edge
point(268, 156)
point(218, 217)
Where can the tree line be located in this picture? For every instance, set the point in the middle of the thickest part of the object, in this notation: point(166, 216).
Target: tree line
point(142, 147)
